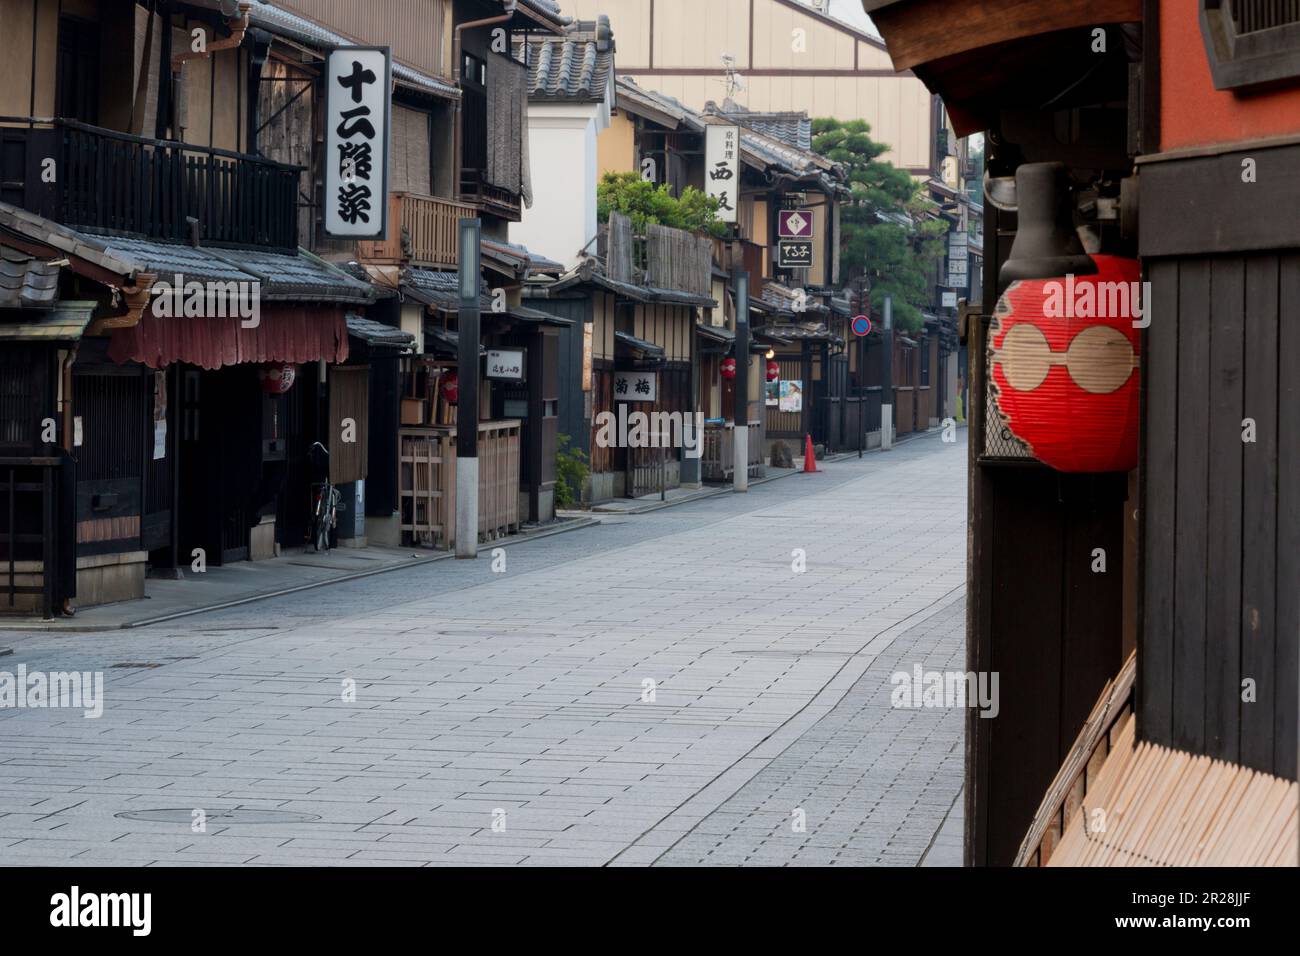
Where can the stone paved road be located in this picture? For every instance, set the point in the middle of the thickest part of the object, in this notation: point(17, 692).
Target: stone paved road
point(506, 718)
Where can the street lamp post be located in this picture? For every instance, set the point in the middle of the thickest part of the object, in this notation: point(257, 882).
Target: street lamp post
point(887, 375)
point(740, 443)
point(467, 332)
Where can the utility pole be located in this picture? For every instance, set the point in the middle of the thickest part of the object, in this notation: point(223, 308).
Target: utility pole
point(887, 375)
point(467, 332)
point(740, 443)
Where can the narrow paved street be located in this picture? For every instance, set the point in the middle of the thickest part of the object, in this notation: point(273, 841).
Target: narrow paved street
point(704, 684)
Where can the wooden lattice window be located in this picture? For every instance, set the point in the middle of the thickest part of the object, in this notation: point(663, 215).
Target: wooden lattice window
point(1251, 43)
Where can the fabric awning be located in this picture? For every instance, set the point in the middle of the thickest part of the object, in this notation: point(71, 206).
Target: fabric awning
point(284, 333)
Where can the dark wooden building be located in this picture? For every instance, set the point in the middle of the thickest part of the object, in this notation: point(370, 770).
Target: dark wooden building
point(1182, 121)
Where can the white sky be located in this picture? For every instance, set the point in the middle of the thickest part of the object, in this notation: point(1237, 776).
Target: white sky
point(850, 11)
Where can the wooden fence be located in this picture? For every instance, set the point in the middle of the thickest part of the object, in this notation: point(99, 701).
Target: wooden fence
point(427, 483)
point(718, 462)
point(664, 258)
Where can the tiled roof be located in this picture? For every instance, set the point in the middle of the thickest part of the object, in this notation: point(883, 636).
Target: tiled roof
point(26, 283)
point(794, 128)
point(635, 98)
point(282, 277)
point(66, 322)
point(441, 291)
point(274, 19)
point(376, 333)
point(518, 258)
point(576, 67)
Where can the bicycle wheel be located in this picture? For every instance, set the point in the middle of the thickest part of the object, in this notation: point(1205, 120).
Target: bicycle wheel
point(320, 524)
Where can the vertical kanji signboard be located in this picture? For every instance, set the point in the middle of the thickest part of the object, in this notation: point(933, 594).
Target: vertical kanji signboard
point(358, 88)
point(722, 168)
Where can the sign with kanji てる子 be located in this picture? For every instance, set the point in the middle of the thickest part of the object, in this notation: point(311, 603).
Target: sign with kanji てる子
point(357, 103)
point(636, 386)
point(794, 253)
point(722, 168)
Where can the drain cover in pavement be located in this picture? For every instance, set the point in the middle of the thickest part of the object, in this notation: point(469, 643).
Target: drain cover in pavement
point(219, 816)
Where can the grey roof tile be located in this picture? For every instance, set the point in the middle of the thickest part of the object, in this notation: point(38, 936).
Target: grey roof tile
point(576, 67)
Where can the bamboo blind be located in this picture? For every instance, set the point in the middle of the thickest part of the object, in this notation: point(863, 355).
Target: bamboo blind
point(1163, 807)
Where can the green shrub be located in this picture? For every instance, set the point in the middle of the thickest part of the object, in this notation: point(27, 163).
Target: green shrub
point(571, 473)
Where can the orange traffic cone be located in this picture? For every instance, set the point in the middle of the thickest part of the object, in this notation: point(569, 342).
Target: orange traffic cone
point(809, 457)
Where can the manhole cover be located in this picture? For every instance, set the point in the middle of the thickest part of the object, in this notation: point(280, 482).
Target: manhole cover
point(219, 816)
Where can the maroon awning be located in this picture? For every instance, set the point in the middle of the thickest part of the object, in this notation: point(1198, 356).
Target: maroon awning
point(293, 334)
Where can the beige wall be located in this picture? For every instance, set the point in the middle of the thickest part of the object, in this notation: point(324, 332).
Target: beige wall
point(417, 30)
point(16, 63)
point(819, 69)
point(616, 146)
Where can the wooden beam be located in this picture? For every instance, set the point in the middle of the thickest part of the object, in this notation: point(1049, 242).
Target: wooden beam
point(926, 30)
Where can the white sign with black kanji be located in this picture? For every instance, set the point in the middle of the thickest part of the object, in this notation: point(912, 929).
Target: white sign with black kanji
point(722, 168)
point(358, 90)
point(636, 386)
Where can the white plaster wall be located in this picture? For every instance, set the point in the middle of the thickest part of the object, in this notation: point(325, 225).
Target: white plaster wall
point(562, 151)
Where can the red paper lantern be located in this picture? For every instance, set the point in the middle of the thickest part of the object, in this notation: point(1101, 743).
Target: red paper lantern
point(773, 371)
point(1064, 358)
point(729, 368)
point(451, 387)
point(278, 379)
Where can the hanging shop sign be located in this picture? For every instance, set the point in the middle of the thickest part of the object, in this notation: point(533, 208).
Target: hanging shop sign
point(451, 387)
point(728, 369)
point(773, 371)
point(1064, 358)
point(958, 260)
point(505, 364)
point(794, 253)
point(722, 168)
point(357, 111)
point(279, 378)
point(636, 386)
point(794, 224)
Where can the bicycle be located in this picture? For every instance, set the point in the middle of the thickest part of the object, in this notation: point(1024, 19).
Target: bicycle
point(324, 515)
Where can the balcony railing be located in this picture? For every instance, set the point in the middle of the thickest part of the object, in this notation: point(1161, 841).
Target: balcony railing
point(106, 181)
point(422, 231)
point(475, 188)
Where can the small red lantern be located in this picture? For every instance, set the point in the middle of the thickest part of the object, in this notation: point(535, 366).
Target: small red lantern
point(1064, 357)
point(278, 379)
point(729, 368)
point(773, 371)
point(451, 387)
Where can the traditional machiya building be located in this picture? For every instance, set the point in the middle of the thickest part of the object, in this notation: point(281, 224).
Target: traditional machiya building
point(459, 150)
point(1133, 511)
point(152, 147)
point(633, 298)
point(772, 56)
point(176, 349)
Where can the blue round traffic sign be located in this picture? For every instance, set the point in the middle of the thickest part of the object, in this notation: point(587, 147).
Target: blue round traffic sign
point(861, 326)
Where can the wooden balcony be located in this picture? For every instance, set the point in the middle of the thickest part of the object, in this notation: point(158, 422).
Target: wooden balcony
point(130, 185)
point(423, 231)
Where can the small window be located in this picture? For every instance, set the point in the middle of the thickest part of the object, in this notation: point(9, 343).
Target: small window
point(1251, 43)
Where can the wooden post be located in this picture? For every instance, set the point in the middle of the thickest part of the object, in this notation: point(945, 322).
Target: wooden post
point(467, 404)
